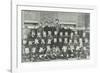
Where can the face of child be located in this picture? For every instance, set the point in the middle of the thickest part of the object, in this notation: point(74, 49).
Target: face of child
point(71, 34)
point(44, 33)
point(72, 47)
point(75, 41)
point(80, 40)
point(65, 27)
point(77, 48)
point(33, 33)
point(26, 50)
point(84, 48)
point(39, 34)
point(48, 47)
point(84, 34)
point(64, 47)
point(25, 36)
point(86, 40)
point(30, 42)
point(49, 32)
point(46, 23)
point(60, 40)
point(76, 32)
point(24, 42)
point(33, 49)
point(65, 40)
point(55, 40)
point(70, 41)
point(66, 33)
point(55, 32)
point(61, 33)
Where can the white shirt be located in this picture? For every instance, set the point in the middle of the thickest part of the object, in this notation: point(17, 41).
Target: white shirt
point(41, 49)
point(64, 49)
point(49, 41)
point(26, 50)
point(36, 41)
point(42, 41)
point(33, 49)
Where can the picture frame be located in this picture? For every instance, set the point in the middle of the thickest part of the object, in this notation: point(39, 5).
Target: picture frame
point(16, 23)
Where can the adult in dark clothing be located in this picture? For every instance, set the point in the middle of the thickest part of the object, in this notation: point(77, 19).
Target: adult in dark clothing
point(53, 29)
point(57, 24)
point(86, 35)
point(76, 35)
point(68, 30)
point(47, 28)
point(61, 30)
point(80, 33)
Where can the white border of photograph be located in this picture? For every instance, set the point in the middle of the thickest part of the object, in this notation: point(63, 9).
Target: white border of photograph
point(16, 64)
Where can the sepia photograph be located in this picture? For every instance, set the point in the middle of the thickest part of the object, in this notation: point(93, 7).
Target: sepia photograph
point(54, 36)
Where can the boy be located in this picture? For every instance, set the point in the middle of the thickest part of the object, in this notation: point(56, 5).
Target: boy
point(27, 54)
point(78, 52)
point(49, 34)
point(48, 52)
point(64, 49)
point(33, 55)
point(41, 53)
